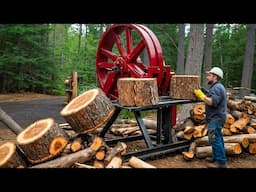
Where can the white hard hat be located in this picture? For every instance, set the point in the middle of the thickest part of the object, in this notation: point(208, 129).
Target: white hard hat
point(217, 71)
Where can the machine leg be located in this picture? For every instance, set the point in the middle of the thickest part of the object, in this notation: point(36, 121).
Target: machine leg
point(110, 122)
point(143, 129)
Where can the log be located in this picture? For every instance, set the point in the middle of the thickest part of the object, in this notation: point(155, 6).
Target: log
point(183, 86)
point(81, 165)
point(116, 162)
point(197, 113)
point(9, 122)
point(250, 98)
point(42, 140)
point(98, 164)
point(200, 131)
point(76, 144)
point(69, 160)
point(252, 148)
point(118, 149)
point(230, 149)
point(137, 91)
point(240, 123)
point(10, 156)
point(240, 138)
point(88, 111)
point(138, 163)
point(188, 155)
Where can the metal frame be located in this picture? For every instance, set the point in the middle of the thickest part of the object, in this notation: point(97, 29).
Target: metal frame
point(166, 142)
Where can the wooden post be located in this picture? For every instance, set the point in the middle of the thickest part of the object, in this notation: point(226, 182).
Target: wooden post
point(74, 85)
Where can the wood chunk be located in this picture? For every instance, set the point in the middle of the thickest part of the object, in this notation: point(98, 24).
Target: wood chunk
point(183, 86)
point(137, 91)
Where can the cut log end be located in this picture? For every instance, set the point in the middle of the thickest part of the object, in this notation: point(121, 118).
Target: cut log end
point(9, 157)
point(79, 102)
point(57, 145)
point(6, 151)
point(35, 131)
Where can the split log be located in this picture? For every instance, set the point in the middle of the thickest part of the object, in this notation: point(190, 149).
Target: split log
point(197, 113)
point(138, 163)
point(200, 131)
point(137, 91)
point(234, 104)
point(240, 124)
point(88, 111)
point(236, 114)
point(183, 86)
point(116, 162)
point(118, 149)
point(10, 156)
point(97, 143)
point(9, 122)
point(252, 148)
point(42, 140)
point(230, 119)
point(69, 160)
point(188, 155)
point(230, 149)
point(240, 138)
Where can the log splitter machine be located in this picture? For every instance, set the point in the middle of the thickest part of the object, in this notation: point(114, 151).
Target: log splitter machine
point(133, 50)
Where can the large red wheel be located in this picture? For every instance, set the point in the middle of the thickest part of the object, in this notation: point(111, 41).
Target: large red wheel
point(128, 50)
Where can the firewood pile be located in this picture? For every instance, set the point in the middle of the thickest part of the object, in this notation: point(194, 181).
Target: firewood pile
point(239, 131)
point(45, 144)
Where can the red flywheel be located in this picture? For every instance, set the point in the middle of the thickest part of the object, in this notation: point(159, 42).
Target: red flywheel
point(130, 50)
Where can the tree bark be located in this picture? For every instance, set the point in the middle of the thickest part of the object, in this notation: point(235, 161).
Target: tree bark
point(68, 161)
point(137, 91)
point(88, 111)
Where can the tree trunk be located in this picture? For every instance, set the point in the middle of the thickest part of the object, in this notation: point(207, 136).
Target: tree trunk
point(248, 60)
point(194, 59)
point(180, 60)
point(208, 52)
point(9, 122)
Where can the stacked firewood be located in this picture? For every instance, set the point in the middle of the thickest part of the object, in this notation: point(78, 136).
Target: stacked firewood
point(239, 131)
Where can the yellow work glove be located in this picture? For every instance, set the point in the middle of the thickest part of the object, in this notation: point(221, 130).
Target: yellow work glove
point(199, 94)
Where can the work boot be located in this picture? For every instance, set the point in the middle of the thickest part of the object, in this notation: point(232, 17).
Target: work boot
point(209, 159)
point(216, 165)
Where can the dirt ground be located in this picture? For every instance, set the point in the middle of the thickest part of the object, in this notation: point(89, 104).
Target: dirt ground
point(10, 101)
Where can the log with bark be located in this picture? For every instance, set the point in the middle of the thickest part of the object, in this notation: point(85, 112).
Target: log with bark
point(183, 86)
point(10, 156)
point(118, 150)
point(137, 91)
point(230, 149)
point(69, 160)
point(42, 140)
point(240, 138)
point(88, 111)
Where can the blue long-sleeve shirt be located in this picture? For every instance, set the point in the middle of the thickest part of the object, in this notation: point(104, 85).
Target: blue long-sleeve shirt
point(216, 113)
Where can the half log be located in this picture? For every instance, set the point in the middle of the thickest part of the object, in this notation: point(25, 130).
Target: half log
point(9, 156)
point(88, 111)
point(42, 140)
point(137, 91)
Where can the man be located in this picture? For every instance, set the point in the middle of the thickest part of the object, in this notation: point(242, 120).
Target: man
point(216, 106)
